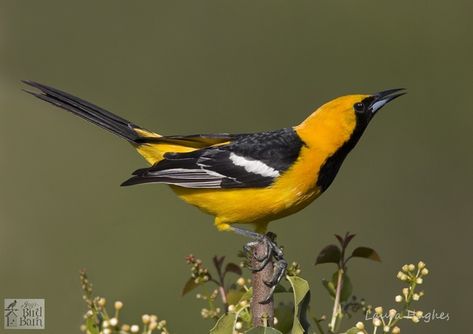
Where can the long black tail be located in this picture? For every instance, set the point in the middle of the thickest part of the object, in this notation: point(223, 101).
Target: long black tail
point(86, 110)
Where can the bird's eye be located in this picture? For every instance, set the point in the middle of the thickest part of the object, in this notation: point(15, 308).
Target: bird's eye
point(359, 107)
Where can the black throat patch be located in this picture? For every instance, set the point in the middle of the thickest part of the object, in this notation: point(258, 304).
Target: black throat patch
point(331, 166)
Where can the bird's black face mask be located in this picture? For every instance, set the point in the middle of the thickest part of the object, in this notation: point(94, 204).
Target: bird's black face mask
point(366, 109)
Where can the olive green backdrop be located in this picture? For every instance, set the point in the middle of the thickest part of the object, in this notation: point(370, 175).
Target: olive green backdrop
point(181, 67)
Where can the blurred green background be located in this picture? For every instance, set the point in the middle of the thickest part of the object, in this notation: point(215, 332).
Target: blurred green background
point(181, 67)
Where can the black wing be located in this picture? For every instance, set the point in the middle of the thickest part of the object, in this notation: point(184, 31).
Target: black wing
point(249, 161)
point(196, 141)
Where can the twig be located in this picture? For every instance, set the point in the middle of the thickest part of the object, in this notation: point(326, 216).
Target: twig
point(336, 304)
point(263, 314)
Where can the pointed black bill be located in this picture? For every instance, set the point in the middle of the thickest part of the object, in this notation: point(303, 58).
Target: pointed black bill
point(382, 98)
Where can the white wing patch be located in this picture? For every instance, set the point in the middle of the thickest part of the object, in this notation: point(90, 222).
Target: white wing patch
point(254, 166)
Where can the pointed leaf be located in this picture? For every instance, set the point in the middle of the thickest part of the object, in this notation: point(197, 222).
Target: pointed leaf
point(340, 239)
point(224, 324)
point(301, 294)
point(262, 330)
point(330, 254)
point(348, 238)
point(367, 253)
point(189, 286)
point(232, 267)
point(218, 262)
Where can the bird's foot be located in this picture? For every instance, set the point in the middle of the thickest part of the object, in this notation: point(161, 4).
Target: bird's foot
point(271, 251)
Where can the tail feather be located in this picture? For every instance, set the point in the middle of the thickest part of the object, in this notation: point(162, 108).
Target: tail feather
point(87, 110)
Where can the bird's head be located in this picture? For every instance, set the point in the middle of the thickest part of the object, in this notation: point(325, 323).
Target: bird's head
point(346, 117)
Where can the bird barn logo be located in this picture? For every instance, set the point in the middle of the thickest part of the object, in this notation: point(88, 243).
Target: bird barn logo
point(23, 313)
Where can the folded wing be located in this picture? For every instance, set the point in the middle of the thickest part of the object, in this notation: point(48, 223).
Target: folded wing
point(249, 161)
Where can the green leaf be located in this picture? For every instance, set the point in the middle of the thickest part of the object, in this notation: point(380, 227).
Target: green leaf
point(91, 325)
point(247, 295)
point(330, 254)
point(301, 294)
point(284, 314)
point(367, 253)
point(232, 267)
point(262, 330)
point(234, 296)
point(330, 287)
point(280, 289)
point(224, 324)
point(352, 330)
point(189, 286)
point(347, 287)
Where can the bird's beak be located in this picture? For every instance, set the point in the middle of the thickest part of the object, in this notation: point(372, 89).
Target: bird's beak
point(381, 98)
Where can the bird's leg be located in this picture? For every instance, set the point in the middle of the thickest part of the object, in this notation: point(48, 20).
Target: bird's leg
point(272, 250)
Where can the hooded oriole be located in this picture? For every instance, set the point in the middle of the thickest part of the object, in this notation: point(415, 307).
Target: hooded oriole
point(243, 178)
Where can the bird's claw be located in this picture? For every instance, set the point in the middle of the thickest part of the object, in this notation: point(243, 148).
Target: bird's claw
point(272, 250)
point(279, 271)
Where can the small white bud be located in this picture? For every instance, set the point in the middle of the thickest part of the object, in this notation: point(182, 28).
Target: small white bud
point(135, 328)
point(360, 325)
point(424, 271)
point(419, 280)
point(275, 320)
point(105, 324)
point(405, 268)
point(231, 308)
point(419, 314)
point(392, 313)
point(398, 298)
point(240, 281)
point(415, 319)
point(145, 318)
point(405, 291)
point(415, 297)
point(102, 302)
point(107, 331)
point(386, 329)
point(113, 322)
point(421, 265)
point(376, 322)
point(396, 330)
point(411, 267)
point(153, 325)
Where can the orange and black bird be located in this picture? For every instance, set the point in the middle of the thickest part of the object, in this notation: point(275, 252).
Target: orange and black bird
point(248, 178)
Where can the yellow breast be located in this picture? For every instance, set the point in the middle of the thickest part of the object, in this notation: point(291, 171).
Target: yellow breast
point(294, 190)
